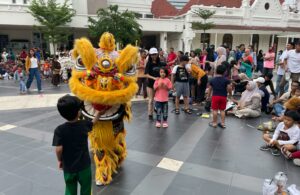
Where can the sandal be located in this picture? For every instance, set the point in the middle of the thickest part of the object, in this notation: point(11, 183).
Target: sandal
point(223, 126)
point(287, 154)
point(177, 111)
point(212, 125)
point(188, 111)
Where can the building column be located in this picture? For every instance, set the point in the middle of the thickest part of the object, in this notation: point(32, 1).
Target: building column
point(187, 45)
point(216, 40)
point(163, 41)
point(287, 40)
point(272, 43)
point(251, 39)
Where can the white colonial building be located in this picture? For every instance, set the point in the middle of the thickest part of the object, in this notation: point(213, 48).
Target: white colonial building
point(167, 23)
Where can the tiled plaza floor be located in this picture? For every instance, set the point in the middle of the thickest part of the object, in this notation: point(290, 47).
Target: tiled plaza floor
point(187, 158)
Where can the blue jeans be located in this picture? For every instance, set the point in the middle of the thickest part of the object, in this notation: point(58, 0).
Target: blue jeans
point(279, 109)
point(22, 86)
point(34, 72)
point(161, 108)
point(279, 91)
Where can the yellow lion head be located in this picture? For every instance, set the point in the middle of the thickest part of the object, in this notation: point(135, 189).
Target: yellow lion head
point(104, 78)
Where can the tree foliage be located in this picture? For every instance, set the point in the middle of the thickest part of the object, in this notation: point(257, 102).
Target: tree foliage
point(203, 25)
point(123, 25)
point(52, 18)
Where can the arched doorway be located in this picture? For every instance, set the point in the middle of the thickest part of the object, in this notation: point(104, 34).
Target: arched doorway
point(227, 40)
point(255, 42)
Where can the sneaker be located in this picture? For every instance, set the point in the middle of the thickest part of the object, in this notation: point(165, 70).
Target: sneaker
point(296, 162)
point(265, 147)
point(165, 124)
point(41, 91)
point(150, 117)
point(98, 183)
point(157, 124)
point(275, 152)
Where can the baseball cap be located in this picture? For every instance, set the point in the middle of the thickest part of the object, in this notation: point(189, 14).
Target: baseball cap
point(259, 80)
point(153, 50)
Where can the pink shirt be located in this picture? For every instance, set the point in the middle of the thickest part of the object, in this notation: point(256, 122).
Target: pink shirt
point(162, 93)
point(269, 63)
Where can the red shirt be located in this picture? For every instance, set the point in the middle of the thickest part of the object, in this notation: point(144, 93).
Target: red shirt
point(162, 93)
point(171, 57)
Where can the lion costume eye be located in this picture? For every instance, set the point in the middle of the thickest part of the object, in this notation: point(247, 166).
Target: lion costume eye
point(106, 63)
point(79, 64)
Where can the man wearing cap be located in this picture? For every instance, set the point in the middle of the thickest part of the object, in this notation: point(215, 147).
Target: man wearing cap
point(265, 96)
point(152, 73)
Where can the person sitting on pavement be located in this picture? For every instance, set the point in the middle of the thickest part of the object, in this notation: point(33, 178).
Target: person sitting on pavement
point(250, 103)
point(292, 104)
point(265, 96)
point(286, 134)
point(278, 103)
point(268, 82)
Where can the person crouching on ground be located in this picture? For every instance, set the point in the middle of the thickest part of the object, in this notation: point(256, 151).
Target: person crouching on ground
point(180, 75)
point(162, 86)
point(286, 134)
point(71, 144)
point(220, 87)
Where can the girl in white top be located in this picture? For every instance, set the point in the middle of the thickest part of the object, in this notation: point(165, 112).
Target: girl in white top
point(32, 70)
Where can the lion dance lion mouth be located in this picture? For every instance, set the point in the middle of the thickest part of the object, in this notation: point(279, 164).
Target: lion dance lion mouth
point(105, 80)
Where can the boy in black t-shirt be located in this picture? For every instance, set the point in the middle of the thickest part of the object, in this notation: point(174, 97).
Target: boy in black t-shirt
point(71, 144)
point(219, 86)
point(180, 81)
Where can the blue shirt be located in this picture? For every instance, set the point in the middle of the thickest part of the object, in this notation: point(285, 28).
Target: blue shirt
point(219, 86)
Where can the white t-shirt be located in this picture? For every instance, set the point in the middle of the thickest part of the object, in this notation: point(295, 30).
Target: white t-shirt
point(280, 70)
point(293, 133)
point(34, 62)
point(187, 67)
point(293, 61)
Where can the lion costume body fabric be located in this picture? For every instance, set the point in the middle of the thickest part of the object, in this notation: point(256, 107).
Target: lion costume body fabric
point(105, 80)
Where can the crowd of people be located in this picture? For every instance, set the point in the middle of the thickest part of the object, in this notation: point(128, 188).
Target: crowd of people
point(26, 66)
point(232, 82)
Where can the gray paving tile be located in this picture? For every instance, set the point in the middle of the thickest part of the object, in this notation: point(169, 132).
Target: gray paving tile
point(238, 191)
point(13, 164)
point(183, 184)
point(31, 188)
point(16, 152)
point(9, 181)
point(42, 175)
point(157, 177)
point(209, 187)
point(112, 190)
point(5, 157)
point(32, 155)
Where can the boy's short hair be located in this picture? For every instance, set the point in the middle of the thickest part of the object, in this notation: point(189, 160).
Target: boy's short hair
point(69, 106)
point(184, 58)
point(166, 71)
point(269, 75)
point(292, 114)
point(221, 69)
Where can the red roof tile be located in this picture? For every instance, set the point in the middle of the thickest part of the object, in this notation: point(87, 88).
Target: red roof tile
point(164, 8)
point(161, 8)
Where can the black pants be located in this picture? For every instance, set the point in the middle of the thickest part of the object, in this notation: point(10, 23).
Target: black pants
point(161, 108)
point(200, 90)
point(142, 82)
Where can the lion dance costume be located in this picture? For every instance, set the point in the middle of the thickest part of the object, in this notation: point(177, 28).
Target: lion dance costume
point(105, 80)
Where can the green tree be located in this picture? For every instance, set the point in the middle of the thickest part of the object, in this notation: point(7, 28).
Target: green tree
point(203, 25)
point(52, 18)
point(123, 25)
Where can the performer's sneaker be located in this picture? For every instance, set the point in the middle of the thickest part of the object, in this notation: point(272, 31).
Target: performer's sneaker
point(157, 124)
point(165, 124)
point(98, 183)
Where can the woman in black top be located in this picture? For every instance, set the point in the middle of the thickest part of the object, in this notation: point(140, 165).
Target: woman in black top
point(152, 73)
